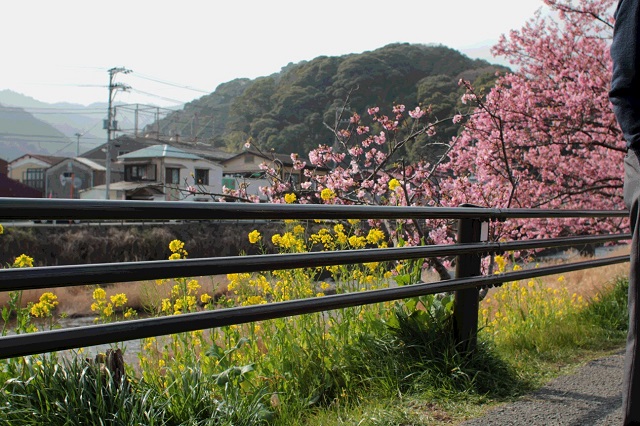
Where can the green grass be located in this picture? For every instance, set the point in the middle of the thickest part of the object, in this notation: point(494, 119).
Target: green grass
point(406, 370)
point(435, 384)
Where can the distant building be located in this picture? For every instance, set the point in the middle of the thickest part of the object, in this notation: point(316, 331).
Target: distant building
point(162, 172)
point(244, 170)
point(68, 177)
point(4, 167)
point(126, 144)
point(30, 170)
point(13, 188)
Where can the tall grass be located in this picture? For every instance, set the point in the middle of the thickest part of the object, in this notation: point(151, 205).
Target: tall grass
point(389, 363)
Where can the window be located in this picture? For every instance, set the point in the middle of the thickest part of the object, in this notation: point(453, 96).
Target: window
point(229, 182)
point(202, 176)
point(172, 175)
point(34, 178)
point(134, 173)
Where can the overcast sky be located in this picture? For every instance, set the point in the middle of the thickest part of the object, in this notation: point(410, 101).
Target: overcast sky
point(61, 50)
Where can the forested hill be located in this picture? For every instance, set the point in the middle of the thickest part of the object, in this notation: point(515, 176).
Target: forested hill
point(286, 111)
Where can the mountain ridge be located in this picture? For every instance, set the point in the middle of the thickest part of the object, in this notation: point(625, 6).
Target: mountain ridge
point(287, 111)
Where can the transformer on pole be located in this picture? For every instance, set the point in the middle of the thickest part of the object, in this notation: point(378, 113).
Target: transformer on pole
point(110, 124)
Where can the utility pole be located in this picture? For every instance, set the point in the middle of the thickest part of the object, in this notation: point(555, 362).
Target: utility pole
point(110, 123)
point(77, 135)
point(136, 119)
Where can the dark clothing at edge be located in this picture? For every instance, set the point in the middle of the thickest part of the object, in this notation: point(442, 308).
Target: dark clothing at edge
point(625, 83)
point(625, 97)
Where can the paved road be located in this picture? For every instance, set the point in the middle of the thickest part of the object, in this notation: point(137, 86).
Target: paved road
point(591, 396)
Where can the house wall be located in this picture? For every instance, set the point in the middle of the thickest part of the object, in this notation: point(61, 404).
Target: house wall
point(187, 177)
point(100, 194)
point(67, 178)
point(117, 147)
point(250, 163)
point(18, 168)
point(187, 169)
point(243, 163)
point(251, 185)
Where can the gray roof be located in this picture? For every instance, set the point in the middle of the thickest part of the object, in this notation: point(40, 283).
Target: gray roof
point(158, 151)
point(91, 164)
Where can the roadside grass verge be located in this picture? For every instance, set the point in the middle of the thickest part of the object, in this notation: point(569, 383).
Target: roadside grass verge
point(515, 359)
point(393, 363)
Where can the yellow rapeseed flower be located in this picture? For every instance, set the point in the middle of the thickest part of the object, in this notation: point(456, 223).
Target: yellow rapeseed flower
point(375, 236)
point(290, 198)
point(176, 245)
point(48, 301)
point(357, 242)
point(327, 194)
point(205, 298)
point(108, 310)
point(119, 299)
point(193, 286)
point(23, 261)
point(40, 310)
point(175, 256)
point(1, 229)
point(254, 300)
point(393, 184)
point(254, 236)
point(501, 262)
point(99, 294)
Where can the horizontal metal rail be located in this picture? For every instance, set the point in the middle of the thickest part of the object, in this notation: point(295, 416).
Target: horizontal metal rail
point(56, 340)
point(104, 273)
point(54, 209)
point(466, 286)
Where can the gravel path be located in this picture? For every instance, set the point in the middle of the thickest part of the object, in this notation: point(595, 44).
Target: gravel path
point(591, 396)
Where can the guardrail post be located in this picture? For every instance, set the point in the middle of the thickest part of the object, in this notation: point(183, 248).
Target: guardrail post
point(466, 302)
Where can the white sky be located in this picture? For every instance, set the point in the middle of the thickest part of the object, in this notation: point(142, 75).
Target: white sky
point(55, 51)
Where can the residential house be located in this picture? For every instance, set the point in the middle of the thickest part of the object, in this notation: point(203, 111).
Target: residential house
point(244, 170)
point(162, 172)
point(30, 170)
point(125, 144)
point(119, 146)
point(71, 175)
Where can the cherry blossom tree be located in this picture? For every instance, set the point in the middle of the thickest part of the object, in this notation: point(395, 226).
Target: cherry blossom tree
point(545, 136)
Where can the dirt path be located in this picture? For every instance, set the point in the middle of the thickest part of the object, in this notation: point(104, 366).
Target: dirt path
point(590, 396)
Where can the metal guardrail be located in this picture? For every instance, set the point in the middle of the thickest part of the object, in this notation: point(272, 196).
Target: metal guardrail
point(466, 285)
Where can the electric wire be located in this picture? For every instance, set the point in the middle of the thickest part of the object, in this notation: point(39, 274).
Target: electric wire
point(168, 83)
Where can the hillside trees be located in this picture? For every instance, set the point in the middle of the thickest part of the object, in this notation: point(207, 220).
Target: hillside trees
point(287, 111)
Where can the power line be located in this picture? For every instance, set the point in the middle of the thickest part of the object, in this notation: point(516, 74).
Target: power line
point(158, 96)
point(46, 109)
point(52, 138)
point(168, 83)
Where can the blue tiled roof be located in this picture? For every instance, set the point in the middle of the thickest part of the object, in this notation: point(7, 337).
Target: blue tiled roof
point(158, 151)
